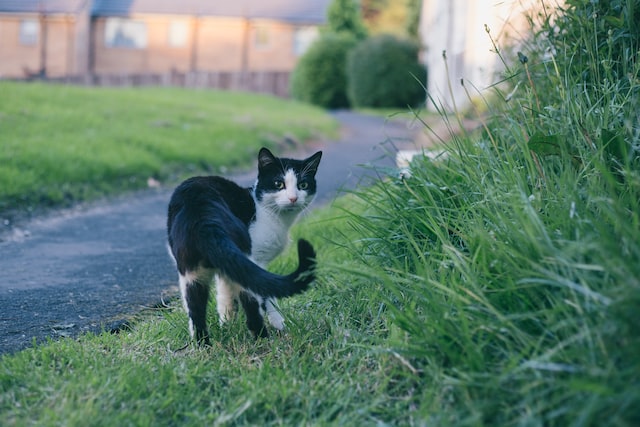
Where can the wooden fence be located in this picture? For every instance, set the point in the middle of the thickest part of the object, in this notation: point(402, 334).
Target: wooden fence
point(268, 82)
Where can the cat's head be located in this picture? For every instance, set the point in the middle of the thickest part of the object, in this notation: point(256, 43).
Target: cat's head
point(286, 184)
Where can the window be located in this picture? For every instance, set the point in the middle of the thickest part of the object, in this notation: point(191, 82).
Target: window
point(303, 37)
point(125, 33)
point(261, 37)
point(29, 32)
point(178, 34)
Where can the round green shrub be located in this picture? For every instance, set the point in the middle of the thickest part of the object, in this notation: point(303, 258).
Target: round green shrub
point(384, 71)
point(320, 76)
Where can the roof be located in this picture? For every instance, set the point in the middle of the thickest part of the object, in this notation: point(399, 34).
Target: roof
point(46, 6)
point(296, 11)
point(301, 11)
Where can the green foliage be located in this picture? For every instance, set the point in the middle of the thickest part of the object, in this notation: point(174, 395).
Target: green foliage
point(502, 277)
point(610, 27)
point(345, 17)
point(384, 71)
point(397, 17)
point(320, 76)
point(593, 82)
point(510, 266)
point(62, 144)
point(412, 20)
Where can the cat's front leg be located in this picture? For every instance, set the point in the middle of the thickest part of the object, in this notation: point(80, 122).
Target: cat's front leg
point(273, 314)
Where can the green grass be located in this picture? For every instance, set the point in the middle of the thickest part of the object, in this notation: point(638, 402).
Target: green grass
point(500, 286)
point(511, 267)
point(61, 144)
point(323, 370)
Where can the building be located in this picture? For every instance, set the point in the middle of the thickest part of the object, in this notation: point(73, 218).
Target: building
point(44, 37)
point(459, 28)
point(58, 38)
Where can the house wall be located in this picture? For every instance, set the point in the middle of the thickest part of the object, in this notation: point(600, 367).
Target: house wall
point(274, 54)
point(15, 56)
point(157, 56)
point(59, 45)
point(75, 46)
point(220, 44)
point(82, 40)
point(212, 44)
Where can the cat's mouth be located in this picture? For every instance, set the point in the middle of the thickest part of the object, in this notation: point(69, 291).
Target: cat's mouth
point(291, 206)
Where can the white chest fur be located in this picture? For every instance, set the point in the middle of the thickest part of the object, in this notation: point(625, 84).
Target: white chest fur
point(269, 234)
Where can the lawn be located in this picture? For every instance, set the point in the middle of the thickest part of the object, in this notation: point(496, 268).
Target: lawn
point(64, 144)
point(497, 286)
point(325, 369)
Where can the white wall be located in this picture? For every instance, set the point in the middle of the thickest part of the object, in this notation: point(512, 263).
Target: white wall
point(458, 27)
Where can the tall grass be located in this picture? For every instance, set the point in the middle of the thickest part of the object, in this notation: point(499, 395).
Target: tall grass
point(511, 267)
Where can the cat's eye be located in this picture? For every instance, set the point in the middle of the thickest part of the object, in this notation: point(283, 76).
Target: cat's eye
point(278, 184)
point(303, 185)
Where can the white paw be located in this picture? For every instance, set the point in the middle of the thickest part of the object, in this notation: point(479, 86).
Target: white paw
point(276, 320)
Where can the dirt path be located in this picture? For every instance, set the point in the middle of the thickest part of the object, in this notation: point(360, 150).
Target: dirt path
point(89, 268)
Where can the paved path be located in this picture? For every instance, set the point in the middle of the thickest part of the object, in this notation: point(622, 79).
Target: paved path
point(89, 268)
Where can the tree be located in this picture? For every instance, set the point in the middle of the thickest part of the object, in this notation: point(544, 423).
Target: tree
point(344, 16)
point(397, 17)
point(412, 23)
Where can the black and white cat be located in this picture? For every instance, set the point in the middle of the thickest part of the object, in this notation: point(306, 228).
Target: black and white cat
point(218, 229)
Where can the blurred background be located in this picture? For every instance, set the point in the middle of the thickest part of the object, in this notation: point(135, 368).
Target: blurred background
point(249, 45)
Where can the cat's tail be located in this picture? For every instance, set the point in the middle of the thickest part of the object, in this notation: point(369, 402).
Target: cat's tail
point(241, 270)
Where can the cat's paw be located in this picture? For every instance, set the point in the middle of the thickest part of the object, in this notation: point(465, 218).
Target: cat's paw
point(276, 320)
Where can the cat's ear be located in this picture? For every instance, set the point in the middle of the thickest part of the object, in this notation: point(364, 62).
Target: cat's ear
point(265, 158)
point(311, 164)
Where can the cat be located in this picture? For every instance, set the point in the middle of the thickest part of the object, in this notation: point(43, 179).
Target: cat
point(220, 230)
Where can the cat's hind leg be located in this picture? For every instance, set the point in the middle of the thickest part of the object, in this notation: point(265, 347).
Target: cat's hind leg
point(226, 297)
point(255, 319)
point(194, 288)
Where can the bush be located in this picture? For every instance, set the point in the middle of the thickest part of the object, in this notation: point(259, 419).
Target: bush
point(319, 77)
point(384, 71)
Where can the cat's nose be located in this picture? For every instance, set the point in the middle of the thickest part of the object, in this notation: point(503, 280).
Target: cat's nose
point(293, 199)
